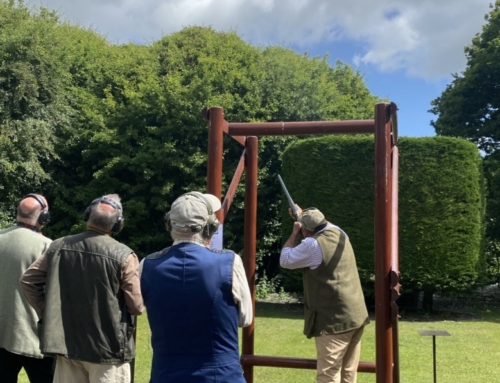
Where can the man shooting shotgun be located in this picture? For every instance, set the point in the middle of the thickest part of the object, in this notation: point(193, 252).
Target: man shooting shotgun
point(293, 207)
point(334, 306)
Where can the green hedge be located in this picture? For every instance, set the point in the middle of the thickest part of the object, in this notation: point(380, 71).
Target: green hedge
point(441, 205)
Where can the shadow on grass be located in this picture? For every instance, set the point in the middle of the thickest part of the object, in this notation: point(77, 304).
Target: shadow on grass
point(438, 316)
point(482, 304)
point(464, 315)
point(456, 313)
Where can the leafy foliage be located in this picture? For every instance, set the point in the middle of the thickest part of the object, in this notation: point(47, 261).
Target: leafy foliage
point(81, 117)
point(469, 107)
point(33, 98)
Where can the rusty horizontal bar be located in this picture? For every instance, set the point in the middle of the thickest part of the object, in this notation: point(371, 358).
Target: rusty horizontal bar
point(239, 139)
point(286, 362)
point(302, 127)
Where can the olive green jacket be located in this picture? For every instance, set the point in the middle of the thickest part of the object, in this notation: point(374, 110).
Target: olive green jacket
point(333, 298)
point(85, 316)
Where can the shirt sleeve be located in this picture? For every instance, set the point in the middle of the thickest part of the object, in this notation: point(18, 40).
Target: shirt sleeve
point(241, 293)
point(33, 284)
point(306, 254)
point(131, 285)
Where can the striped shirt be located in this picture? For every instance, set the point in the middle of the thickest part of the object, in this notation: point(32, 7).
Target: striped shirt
point(306, 254)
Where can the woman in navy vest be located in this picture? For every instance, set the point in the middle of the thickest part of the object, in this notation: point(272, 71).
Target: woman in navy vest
point(196, 298)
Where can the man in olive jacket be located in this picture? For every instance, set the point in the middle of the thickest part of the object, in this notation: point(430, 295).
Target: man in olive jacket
point(86, 290)
point(335, 309)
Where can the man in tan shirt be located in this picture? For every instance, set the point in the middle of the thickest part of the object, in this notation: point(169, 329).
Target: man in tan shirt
point(86, 291)
point(20, 246)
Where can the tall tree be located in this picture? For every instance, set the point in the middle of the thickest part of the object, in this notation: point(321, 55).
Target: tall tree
point(127, 118)
point(470, 106)
point(34, 105)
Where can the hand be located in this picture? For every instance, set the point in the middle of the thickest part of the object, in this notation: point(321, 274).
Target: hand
point(299, 210)
point(297, 226)
point(296, 231)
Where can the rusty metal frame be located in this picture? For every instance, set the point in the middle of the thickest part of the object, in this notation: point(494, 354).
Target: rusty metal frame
point(384, 128)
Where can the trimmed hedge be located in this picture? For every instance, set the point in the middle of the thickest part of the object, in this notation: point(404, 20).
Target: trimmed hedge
point(441, 205)
point(441, 213)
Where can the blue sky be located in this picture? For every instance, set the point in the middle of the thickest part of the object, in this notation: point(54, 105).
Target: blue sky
point(405, 49)
point(412, 94)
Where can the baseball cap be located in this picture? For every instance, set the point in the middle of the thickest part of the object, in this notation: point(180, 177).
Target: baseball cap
point(192, 210)
point(311, 218)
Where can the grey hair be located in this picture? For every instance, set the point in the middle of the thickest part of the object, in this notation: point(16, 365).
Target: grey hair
point(178, 235)
point(103, 218)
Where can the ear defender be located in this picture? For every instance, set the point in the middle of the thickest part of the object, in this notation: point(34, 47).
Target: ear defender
point(120, 220)
point(211, 225)
point(168, 224)
point(44, 217)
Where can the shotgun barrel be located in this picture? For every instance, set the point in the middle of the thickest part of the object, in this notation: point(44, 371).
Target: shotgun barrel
point(295, 211)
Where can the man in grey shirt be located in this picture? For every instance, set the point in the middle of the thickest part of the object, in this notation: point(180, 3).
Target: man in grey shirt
point(20, 246)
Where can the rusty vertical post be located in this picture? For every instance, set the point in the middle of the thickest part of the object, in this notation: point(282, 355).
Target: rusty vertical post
point(395, 263)
point(383, 202)
point(250, 247)
point(214, 153)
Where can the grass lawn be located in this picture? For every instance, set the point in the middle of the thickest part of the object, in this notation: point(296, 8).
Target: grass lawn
point(471, 354)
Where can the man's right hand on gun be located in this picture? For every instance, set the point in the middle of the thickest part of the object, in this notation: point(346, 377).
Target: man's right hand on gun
point(299, 210)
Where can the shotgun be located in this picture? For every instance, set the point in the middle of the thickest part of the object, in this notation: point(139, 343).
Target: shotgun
point(295, 211)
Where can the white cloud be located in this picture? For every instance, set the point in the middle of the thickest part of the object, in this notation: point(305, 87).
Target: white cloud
point(425, 38)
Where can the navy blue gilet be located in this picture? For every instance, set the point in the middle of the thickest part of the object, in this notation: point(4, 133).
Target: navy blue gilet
point(187, 290)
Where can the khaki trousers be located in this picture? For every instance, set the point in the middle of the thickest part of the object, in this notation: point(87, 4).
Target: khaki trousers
point(338, 357)
point(77, 371)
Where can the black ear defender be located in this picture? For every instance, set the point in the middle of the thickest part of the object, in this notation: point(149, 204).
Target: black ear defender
point(211, 225)
point(44, 216)
point(166, 219)
point(120, 220)
point(168, 224)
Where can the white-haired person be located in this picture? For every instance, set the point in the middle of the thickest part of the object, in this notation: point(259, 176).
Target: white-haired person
point(334, 305)
point(196, 298)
